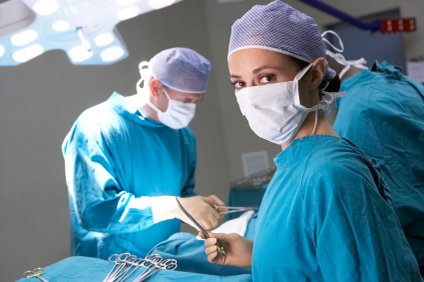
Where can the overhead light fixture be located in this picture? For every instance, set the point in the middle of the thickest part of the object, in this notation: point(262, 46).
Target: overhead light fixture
point(84, 29)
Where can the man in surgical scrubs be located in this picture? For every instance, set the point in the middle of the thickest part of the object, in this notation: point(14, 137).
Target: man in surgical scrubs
point(382, 113)
point(128, 158)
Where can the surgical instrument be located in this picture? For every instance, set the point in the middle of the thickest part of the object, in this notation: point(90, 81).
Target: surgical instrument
point(197, 224)
point(36, 272)
point(231, 209)
point(126, 264)
point(220, 249)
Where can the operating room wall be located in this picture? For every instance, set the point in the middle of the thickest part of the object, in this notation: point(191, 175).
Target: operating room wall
point(238, 137)
point(40, 100)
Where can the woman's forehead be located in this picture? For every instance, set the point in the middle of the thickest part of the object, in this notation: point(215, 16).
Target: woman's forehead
point(255, 57)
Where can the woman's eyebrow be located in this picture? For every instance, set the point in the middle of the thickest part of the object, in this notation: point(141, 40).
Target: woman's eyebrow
point(256, 70)
point(263, 67)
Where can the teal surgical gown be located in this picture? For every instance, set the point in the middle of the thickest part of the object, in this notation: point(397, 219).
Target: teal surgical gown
point(113, 156)
point(383, 114)
point(325, 216)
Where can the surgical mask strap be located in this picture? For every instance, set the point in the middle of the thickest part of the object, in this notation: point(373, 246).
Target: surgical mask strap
point(298, 77)
point(344, 71)
point(145, 73)
point(156, 108)
point(360, 63)
point(166, 93)
point(315, 123)
point(341, 49)
point(144, 69)
point(327, 99)
point(138, 88)
point(302, 72)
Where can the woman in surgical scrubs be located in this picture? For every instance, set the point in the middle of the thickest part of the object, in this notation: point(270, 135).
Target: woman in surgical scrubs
point(326, 214)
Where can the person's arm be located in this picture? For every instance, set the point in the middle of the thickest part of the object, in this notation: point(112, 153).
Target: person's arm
point(190, 143)
point(95, 192)
point(200, 207)
point(100, 202)
point(356, 233)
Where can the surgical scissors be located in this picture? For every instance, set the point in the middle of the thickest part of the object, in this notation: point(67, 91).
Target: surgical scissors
point(220, 249)
point(203, 230)
point(232, 209)
point(36, 272)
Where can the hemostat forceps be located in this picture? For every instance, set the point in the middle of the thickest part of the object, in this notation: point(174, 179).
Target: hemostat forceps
point(200, 227)
point(36, 272)
point(232, 209)
point(220, 249)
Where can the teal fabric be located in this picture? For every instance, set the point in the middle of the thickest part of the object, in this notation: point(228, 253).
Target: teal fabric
point(383, 114)
point(84, 269)
point(113, 156)
point(325, 216)
point(191, 257)
point(184, 247)
point(74, 269)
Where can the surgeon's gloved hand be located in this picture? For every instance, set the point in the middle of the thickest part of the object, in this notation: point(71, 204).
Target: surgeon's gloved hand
point(201, 208)
point(238, 250)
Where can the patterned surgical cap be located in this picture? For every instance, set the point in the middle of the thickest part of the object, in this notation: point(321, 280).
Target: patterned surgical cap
point(181, 69)
point(279, 27)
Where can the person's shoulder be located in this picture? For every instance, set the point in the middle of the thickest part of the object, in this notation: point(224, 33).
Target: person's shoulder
point(98, 113)
point(98, 120)
point(333, 160)
point(331, 152)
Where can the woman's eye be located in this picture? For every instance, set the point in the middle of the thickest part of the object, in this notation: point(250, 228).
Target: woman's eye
point(237, 84)
point(266, 79)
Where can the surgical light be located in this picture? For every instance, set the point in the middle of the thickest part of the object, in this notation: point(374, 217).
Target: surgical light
point(61, 25)
point(104, 39)
point(159, 4)
point(84, 29)
point(1, 50)
point(128, 13)
point(45, 7)
point(79, 54)
point(25, 54)
point(111, 54)
point(24, 37)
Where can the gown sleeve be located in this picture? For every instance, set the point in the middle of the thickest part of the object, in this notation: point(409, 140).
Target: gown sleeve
point(95, 193)
point(356, 234)
point(188, 189)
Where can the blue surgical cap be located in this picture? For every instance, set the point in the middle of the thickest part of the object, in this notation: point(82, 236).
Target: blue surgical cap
point(181, 69)
point(280, 28)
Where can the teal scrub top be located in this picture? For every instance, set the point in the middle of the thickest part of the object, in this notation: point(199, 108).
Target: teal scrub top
point(383, 114)
point(325, 216)
point(113, 156)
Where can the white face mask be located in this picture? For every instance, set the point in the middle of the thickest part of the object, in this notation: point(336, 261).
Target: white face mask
point(274, 111)
point(178, 114)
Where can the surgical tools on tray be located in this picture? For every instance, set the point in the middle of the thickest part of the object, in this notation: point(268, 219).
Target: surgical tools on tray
point(126, 264)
